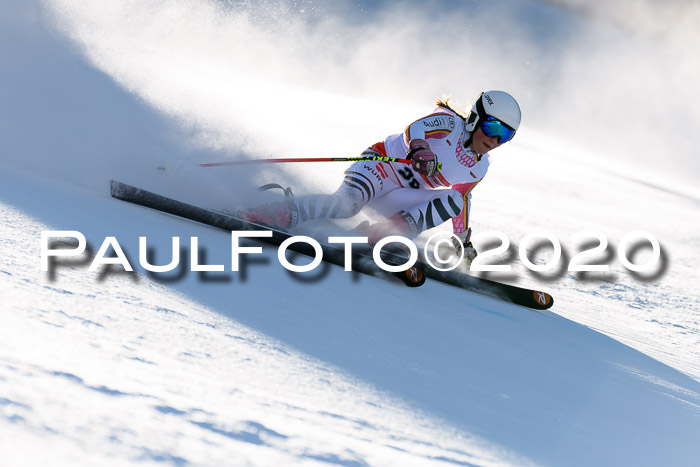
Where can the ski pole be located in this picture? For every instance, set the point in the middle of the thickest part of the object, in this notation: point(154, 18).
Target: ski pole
point(309, 159)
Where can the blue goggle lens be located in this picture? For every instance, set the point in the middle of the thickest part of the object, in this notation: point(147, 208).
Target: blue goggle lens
point(494, 127)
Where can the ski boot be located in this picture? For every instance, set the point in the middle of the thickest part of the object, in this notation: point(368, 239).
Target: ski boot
point(281, 214)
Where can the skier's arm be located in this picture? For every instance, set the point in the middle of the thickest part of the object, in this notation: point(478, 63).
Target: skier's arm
point(437, 125)
point(423, 160)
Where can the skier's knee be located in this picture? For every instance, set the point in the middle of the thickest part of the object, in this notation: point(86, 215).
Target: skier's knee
point(350, 202)
point(345, 208)
point(352, 207)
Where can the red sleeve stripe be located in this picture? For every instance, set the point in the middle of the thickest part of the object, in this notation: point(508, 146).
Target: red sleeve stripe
point(398, 180)
point(442, 179)
point(427, 180)
point(380, 148)
point(437, 134)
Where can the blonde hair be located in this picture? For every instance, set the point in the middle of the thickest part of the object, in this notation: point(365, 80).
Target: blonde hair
point(444, 103)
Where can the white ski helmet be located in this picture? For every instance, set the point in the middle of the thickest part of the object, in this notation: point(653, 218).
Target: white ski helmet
point(497, 104)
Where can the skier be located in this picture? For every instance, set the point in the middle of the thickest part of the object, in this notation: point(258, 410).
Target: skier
point(449, 157)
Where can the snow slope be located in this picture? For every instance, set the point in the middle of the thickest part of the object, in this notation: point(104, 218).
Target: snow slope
point(267, 368)
point(123, 369)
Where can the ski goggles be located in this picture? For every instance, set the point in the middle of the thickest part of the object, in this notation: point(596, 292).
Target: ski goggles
point(494, 127)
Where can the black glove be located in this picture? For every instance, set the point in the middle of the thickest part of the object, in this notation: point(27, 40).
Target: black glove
point(461, 241)
point(422, 159)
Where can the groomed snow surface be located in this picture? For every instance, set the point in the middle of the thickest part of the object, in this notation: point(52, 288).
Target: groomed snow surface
point(265, 367)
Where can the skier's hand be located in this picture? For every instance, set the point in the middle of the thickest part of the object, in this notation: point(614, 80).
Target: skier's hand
point(422, 159)
point(461, 241)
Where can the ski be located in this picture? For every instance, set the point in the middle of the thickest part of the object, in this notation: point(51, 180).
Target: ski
point(362, 260)
point(363, 263)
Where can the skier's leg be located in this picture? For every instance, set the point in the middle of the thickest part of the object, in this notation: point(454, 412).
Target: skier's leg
point(361, 184)
point(427, 209)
